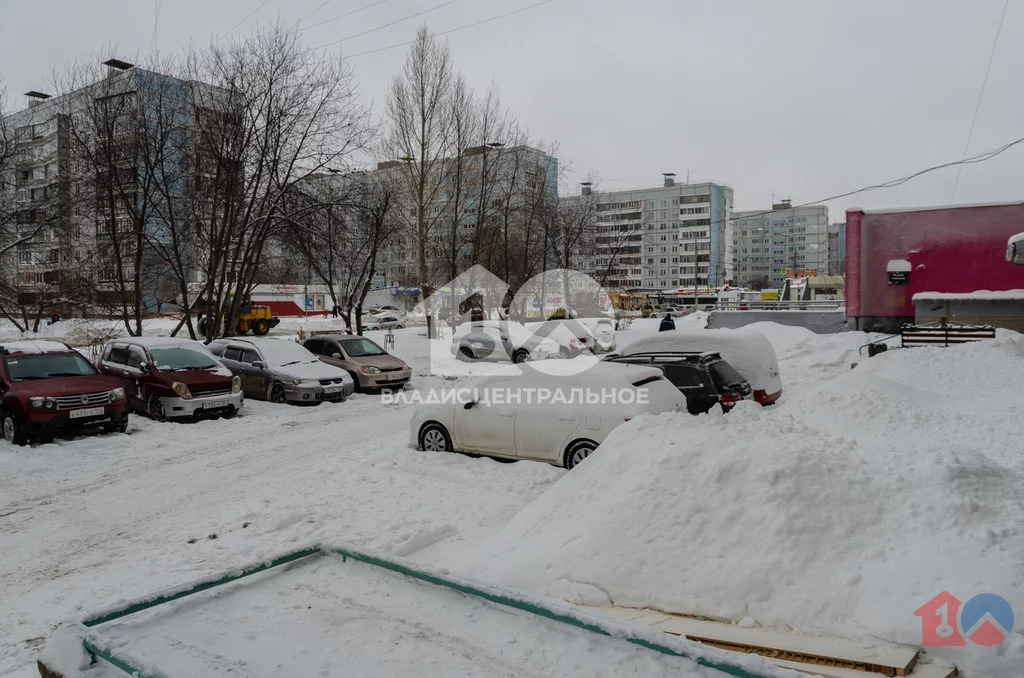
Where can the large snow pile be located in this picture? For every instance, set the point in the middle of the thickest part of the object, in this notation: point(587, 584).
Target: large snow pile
point(841, 511)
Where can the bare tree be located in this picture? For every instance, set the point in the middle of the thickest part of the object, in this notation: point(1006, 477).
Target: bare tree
point(342, 237)
point(269, 113)
point(418, 112)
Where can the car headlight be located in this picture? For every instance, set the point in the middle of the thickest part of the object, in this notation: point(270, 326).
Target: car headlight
point(43, 403)
point(116, 394)
point(182, 390)
point(236, 384)
point(370, 369)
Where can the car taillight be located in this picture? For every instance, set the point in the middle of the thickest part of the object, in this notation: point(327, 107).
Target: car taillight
point(730, 398)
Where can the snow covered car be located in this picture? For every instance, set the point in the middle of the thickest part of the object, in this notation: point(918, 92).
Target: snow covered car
point(508, 417)
point(603, 330)
point(704, 378)
point(748, 351)
point(281, 371)
point(501, 340)
point(47, 388)
point(170, 378)
point(384, 321)
point(572, 336)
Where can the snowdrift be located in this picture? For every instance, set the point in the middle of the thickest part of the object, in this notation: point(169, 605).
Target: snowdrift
point(842, 511)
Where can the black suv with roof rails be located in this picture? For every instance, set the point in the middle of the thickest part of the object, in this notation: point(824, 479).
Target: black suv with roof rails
point(704, 378)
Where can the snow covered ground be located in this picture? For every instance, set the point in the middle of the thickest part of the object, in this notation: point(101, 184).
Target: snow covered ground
point(842, 509)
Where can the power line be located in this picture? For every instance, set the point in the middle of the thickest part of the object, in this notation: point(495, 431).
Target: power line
point(391, 23)
point(981, 95)
point(247, 17)
point(340, 16)
point(318, 8)
point(453, 30)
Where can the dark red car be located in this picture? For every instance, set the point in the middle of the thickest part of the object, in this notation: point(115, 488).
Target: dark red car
point(48, 388)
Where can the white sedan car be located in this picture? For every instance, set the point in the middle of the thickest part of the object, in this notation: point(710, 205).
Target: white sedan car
point(544, 417)
point(382, 322)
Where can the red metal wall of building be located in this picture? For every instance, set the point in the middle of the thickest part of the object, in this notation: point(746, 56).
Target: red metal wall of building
point(959, 249)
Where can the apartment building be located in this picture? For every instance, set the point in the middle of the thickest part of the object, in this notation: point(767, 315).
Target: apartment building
point(666, 237)
point(784, 242)
point(490, 193)
point(75, 185)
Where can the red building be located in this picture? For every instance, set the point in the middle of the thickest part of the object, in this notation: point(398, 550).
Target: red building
point(893, 254)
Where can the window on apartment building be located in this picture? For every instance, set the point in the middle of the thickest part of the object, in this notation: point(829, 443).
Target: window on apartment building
point(663, 237)
point(662, 261)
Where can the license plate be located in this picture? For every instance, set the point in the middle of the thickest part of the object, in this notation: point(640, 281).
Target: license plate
point(87, 412)
point(333, 389)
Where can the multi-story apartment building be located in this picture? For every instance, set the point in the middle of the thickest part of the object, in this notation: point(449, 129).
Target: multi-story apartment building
point(490, 192)
point(836, 248)
point(784, 242)
point(655, 239)
point(79, 183)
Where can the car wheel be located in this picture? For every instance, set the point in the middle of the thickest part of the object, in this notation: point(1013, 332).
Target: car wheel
point(466, 353)
point(231, 413)
point(434, 438)
point(398, 327)
point(521, 356)
point(156, 409)
point(577, 451)
point(11, 431)
point(276, 394)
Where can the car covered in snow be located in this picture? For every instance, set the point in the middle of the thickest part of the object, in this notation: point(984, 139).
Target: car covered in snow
point(748, 351)
point(501, 340)
point(572, 336)
point(48, 388)
point(556, 418)
point(704, 378)
point(370, 366)
point(172, 378)
point(282, 371)
point(603, 329)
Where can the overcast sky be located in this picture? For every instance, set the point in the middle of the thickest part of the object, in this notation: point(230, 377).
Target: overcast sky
point(796, 98)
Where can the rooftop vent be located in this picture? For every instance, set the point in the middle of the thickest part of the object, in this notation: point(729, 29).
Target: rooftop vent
point(35, 98)
point(586, 188)
point(670, 179)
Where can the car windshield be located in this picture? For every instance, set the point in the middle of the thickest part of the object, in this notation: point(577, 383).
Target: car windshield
point(726, 375)
point(29, 367)
point(357, 348)
point(173, 358)
point(281, 353)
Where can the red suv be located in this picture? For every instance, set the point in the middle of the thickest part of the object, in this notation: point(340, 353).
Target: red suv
point(48, 388)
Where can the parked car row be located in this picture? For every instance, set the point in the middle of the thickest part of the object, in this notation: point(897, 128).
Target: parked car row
point(695, 371)
point(47, 388)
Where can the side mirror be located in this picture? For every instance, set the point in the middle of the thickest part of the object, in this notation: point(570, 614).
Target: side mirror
point(259, 364)
point(335, 355)
point(144, 367)
point(469, 405)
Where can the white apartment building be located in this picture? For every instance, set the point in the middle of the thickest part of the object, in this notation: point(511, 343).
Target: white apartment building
point(655, 239)
point(784, 242)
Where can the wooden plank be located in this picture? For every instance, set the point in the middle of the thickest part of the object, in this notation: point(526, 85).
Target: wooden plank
point(888, 659)
point(920, 671)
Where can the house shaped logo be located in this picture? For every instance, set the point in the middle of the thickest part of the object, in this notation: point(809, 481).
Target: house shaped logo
point(986, 619)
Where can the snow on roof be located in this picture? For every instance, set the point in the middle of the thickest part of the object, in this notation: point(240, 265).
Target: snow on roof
point(929, 208)
point(899, 266)
point(1006, 295)
point(34, 347)
point(155, 342)
point(748, 351)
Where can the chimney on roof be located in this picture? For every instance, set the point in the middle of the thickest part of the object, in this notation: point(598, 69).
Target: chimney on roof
point(670, 179)
point(783, 204)
point(35, 98)
point(586, 188)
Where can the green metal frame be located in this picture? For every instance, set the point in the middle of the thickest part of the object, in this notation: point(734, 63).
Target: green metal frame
point(95, 644)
